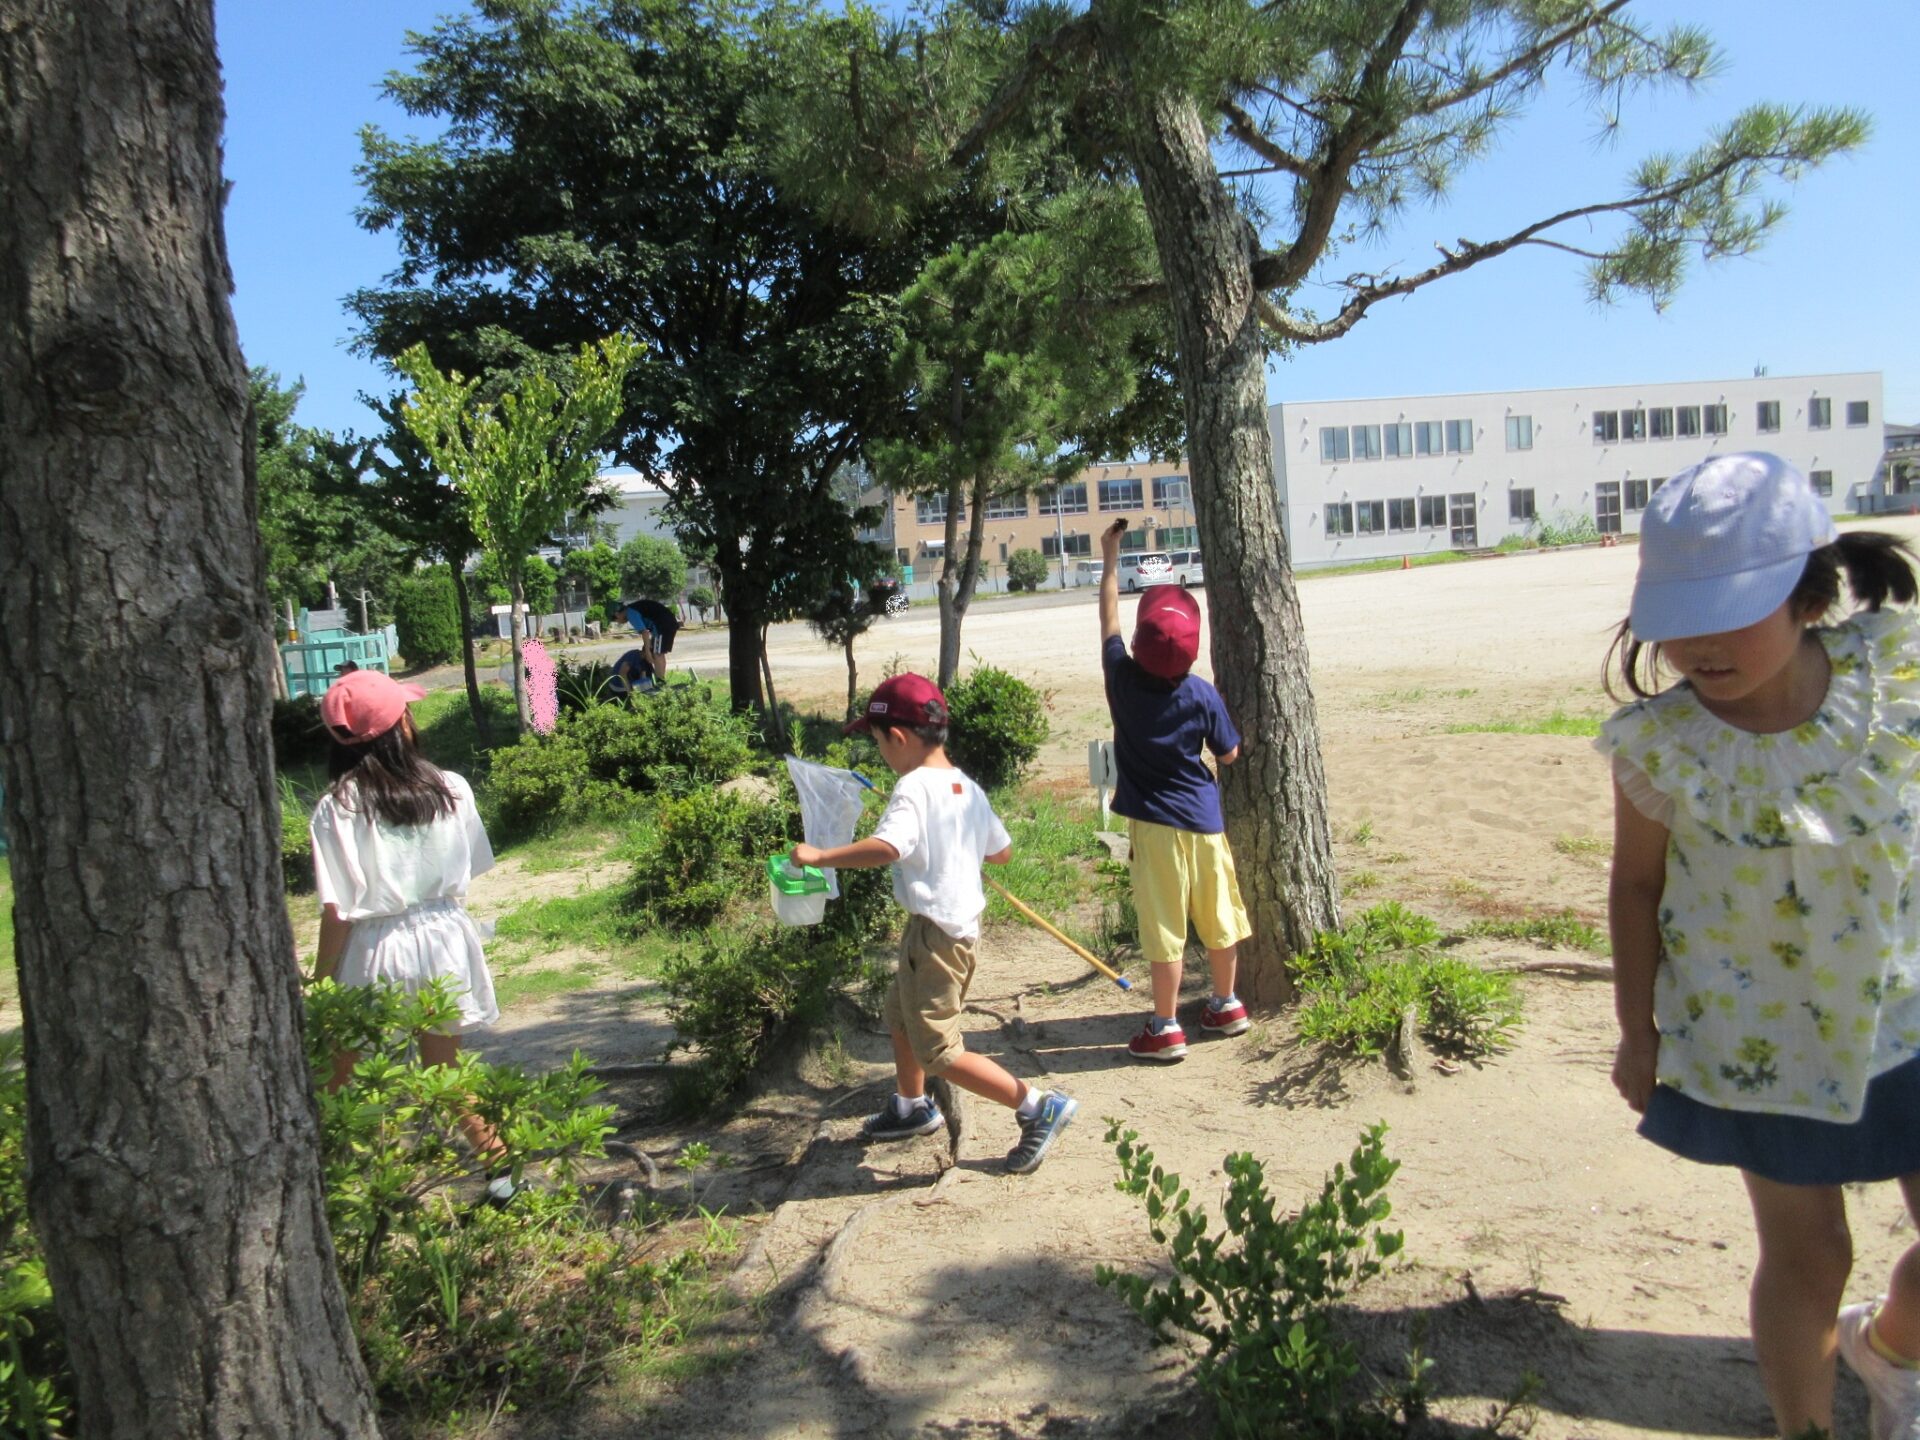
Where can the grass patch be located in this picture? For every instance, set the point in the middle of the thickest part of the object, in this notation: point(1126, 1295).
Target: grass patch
point(516, 987)
point(593, 920)
point(1558, 723)
point(1421, 693)
point(1051, 869)
point(447, 734)
point(1582, 846)
point(1390, 562)
point(1358, 881)
point(1562, 930)
point(566, 849)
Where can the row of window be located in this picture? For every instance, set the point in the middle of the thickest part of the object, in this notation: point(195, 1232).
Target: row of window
point(1670, 422)
point(1066, 499)
point(1383, 517)
point(1400, 441)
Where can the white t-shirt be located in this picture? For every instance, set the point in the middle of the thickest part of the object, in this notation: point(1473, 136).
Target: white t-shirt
point(940, 822)
point(365, 867)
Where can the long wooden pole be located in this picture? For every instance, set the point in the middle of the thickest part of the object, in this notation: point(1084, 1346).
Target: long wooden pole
point(1066, 940)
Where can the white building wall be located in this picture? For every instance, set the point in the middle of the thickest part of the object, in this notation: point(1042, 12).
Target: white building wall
point(641, 510)
point(1566, 468)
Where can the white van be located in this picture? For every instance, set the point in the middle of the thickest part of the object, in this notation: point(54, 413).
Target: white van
point(1088, 572)
point(1142, 568)
point(1187, 569)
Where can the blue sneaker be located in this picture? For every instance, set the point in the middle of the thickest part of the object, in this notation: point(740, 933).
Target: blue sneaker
point(923, 1117)
point(1038, 1134)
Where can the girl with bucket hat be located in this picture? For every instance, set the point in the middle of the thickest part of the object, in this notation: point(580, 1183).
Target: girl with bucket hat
point(1766, 963)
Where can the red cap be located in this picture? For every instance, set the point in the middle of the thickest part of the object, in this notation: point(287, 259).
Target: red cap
point(1166, 632)
point(904, 700)
point(364, 704)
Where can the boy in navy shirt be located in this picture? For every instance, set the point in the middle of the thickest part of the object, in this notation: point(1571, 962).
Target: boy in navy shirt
point(1182, 869)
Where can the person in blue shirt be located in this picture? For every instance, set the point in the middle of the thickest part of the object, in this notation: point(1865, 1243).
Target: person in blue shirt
point(1163, 717)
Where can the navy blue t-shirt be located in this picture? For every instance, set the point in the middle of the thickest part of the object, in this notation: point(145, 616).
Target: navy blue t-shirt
point(1158, 729)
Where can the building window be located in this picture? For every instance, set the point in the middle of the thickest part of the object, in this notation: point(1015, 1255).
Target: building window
point(1653, 485)
point(1519, 504)
point(1133, 538)
point(1433, 512)
point(1372, 515)
point(1856, 412)
point(1687, 421)
point(1660, 422)
point(1819, 413)
point(1399, 438)
point(1333, 444)
point(1716, 419)
point(1463, 520)
point(1519, 432)
point(1822, 481)
point(1007, 507)
point(1606, 507)
point(1003, 550)
point(1636, 494)
point(1400, 514)
point(1606, 427)
point(1064, 499)
point(1633, 424)
point(1076, 545)
point(1171, 490)
point(1366, 442)
point(903, 555)
point(932, 510)
point(1766, 416)
point(1427, 438)
point(1459, 437)
point(1121, 495)
point(1340, 519)
point(1178, 537)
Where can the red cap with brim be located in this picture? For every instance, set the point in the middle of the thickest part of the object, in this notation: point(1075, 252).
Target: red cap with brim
point(904, 700)
point(365, 704)
point(1166, 632)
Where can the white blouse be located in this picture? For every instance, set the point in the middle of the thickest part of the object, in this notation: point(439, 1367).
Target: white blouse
point(365, 867)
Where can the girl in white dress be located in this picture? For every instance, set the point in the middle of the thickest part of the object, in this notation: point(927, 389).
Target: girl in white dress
point(396, 842)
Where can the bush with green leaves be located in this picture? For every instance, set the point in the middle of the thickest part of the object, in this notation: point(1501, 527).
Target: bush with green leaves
point(1357, 983)
point(702, 852)
point(36, 1388)
point(673, 740)
point(545, 780)
point(1260, 1293)
point(1567, 527)
point(299, 734)
point(702, 598)
point(296, 839)
point(1026, 570)
point(998, 724)
point(426, 618)
point(652, 566)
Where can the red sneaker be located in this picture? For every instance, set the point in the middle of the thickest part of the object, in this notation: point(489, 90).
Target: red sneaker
point(1169, 1044)
point(1227, 1020)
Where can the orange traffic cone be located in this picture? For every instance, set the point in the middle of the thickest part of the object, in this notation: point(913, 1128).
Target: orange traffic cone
point(1403, 563)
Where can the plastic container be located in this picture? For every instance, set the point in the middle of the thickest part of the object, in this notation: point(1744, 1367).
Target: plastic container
point(799, 895)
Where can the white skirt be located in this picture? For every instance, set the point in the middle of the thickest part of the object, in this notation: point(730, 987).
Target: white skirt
point(423, 943)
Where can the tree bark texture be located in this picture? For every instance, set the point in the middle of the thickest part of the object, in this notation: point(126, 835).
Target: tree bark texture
point(1276, 795)
point(516, 642)
point(174, 1172)
point(959, 581)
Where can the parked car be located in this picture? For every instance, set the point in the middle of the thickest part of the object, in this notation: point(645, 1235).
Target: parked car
point(1143, 568)
point(1088, 572)
point(1187, 569)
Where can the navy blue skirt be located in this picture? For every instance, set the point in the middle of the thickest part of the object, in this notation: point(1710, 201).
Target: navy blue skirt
point(1883, 1144)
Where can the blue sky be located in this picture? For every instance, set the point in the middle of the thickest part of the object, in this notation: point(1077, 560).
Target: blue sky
point(1834, 289)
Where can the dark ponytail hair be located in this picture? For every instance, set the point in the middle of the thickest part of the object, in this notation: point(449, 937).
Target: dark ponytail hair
point(1878, 567)
point(390, 777)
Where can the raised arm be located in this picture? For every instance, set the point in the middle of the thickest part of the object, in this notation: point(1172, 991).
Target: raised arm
point(1110, 580)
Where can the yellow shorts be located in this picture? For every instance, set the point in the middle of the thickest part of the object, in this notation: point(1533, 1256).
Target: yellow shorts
point(1180, 876)
point(929, 987)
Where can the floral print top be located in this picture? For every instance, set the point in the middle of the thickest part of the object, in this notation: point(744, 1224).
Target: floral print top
point(1790, 965)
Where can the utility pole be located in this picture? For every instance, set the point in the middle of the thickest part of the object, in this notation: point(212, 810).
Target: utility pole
point(364, 596)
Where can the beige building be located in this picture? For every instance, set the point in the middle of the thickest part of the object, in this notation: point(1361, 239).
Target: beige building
point(1062, 522)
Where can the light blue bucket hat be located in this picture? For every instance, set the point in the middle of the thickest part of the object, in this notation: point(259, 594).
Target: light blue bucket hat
point(1723, 544)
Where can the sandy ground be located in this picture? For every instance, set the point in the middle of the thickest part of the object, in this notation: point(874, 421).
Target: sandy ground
point(1542, 1235)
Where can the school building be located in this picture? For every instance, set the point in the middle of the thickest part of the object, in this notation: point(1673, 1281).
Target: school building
point(1369, 479)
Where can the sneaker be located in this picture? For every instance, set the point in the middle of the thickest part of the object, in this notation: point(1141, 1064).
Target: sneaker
point(923, 1118)
point(1167, 1044)
point(1036, 1135)
point(1229, 1019)
point(1893, 1393)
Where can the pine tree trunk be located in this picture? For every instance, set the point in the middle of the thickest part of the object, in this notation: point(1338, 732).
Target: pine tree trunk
point(517, 635)
point(174, 1173)
point(959, 582)
point(770, 716)
point(463, 603)
point(853, 681)
point(1276, 795)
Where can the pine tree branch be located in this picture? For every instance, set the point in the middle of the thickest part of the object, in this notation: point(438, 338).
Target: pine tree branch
point(1526, 60)
point(1242, 126)
point(1042, 56)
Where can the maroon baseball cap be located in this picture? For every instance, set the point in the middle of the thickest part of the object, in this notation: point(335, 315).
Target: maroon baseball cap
point(365, 704)
point(904, 700)
point(1166, 632)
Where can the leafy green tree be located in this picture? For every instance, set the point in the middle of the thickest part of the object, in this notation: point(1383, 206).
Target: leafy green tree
point(653, 567)
point(597, 168)
point(427, 618)
point(596, 570)
point(1026, 570)
point(542, 583)
point(1331, 120)
point(523, 462)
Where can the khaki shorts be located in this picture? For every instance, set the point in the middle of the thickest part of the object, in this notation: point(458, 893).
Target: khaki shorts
point(929, 987)
point(1180, 876)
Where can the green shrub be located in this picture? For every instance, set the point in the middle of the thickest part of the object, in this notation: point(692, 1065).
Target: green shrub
point(36, 1388)
point(1356, 983)
point(999, 723)
point(652, 566)
point(296, 840)
point(1026, 570)
point(1567, 527)
point(704, 850)
point(427, 619)
point(1261, 1293)
point(702, 598)
point(544, 780)
point(299, 735)
point(673, 741)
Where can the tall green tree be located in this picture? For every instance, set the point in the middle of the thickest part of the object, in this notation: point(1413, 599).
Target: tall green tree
point(653, 567)
point(522, 463)
point(597, 169)
point(1264, 138)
